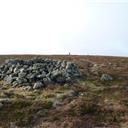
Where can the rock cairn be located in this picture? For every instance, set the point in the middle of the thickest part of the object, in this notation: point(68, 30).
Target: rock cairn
point(37, 73)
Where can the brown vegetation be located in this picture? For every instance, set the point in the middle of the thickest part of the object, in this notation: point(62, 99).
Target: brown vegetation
point(87, 103)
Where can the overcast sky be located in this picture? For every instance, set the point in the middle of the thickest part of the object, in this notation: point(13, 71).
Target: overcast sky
point(98, 27)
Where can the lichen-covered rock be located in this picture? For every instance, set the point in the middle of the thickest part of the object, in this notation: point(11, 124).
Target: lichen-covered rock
point(38, 85)
point(22, 74)
point(9, 79)
point(106, 77)
point(47, 81)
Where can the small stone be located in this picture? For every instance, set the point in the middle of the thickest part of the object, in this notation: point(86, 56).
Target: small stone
point(5, 100)
point(57, 103)
point(71, 93)
point(55, 73)
point(69, 64)
point(68, 79)
point(22, 74)
point(28, 88)
point(42, 113)
point(22, 70)
point(9, 79)
point(21, 80)
point(60, 95)
point(106, 77)
point(38, 85)
point(60, 79)
point(63, 64)
point(66, 85)
point(82, 94)
point(10, 70)
point(47, 80)
point(15, 83)
point(40, 76)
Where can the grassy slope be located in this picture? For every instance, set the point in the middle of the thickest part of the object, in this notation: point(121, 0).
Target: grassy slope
point(92, 104)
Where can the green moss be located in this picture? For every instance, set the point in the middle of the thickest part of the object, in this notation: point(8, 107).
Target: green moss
point(47, 104)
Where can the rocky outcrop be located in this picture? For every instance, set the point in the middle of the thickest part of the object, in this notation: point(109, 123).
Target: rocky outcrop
point(37, 73)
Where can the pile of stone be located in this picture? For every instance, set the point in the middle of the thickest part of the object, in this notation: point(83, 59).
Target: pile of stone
point(37, 73)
